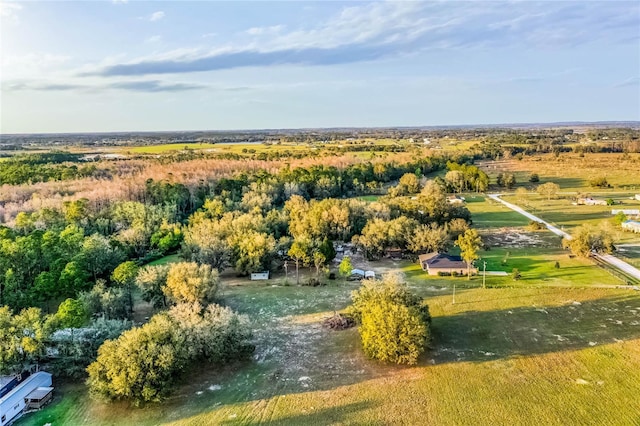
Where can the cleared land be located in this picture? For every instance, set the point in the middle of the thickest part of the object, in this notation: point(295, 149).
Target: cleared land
point(559, 356)
point(573, 172)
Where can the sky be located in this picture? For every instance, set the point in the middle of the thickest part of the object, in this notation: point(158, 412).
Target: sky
point(126, 65)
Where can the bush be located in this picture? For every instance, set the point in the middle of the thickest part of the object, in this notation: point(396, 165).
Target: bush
point(534, 225)
point(599, 182)
point(394, 323)
point(444, 274)
point(533, 178)
point(191, 283)
point(144, 362)
point(339, 322)
point(516, 274)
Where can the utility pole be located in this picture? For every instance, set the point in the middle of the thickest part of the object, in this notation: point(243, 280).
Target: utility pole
point(484, 274)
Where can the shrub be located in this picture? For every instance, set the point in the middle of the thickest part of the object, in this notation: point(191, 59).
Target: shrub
point(444, 274)
point(599, 182)
point(534, 225)
point(339, 322)
point(394, 323)
point(533, 178)
point(144, 362)
point(516, 274)
point(190, 283)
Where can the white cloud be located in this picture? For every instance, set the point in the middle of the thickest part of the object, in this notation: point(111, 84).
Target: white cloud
point(265, 30)
point(156, 16)
point(119, 1)
point(32, 64)
point(153, 39)
point(9, 11)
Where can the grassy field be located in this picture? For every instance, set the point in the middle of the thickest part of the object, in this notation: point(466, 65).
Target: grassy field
point(172, 258)
point(236, 148)
point(530, 355)
point(573, 172)
point(487, 213)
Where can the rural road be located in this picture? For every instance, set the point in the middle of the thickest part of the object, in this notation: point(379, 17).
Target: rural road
point(611, 260)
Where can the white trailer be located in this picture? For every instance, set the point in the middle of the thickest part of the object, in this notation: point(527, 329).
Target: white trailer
point(34, 389)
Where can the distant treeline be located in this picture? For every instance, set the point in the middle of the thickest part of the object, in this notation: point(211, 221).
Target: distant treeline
point(42, 167)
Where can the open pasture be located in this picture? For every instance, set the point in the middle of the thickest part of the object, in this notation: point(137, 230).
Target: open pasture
point(560, 356)
point(571, 171)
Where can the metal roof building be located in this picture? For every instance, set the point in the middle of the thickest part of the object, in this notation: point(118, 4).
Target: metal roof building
point(32, 392)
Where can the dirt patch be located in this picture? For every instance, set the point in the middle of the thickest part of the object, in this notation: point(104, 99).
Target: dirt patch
point(515, 238)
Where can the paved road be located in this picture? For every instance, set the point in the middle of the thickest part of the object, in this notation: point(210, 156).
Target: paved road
point(611, 260)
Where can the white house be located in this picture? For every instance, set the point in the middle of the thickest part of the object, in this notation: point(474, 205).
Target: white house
point(631, 225)
point(638, 197)
point(32, 392)
point(454, 199)
point(627, 212)
point(592, 201)
point(258, 276)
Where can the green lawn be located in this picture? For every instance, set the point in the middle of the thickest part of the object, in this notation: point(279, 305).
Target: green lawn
point(487, 213)
point(172, 258)
point(553, 355)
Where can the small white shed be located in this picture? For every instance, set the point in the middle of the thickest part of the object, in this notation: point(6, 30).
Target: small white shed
point(258, 276)
point(369, 274)
point(13, 404)
point(357, 272)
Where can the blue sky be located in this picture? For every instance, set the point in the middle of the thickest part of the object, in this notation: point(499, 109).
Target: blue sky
point(133, 65)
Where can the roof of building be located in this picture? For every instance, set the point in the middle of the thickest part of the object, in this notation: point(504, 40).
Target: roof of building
point(442, 260)
point(632, 222)
point(39, 379)
point(39, 393)
point(425, 257)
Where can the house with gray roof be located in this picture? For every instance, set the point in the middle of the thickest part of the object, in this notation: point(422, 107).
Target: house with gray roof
point(436, 263)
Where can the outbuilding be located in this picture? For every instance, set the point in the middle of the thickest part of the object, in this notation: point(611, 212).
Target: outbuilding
point(631, 225)
point(31, 393)
point(258, 276)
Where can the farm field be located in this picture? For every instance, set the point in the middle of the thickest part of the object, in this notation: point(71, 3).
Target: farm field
point(571, 171)
point(569, 356)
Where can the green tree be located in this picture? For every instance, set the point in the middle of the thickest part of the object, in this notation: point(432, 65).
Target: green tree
point(140, 365)
point(98, 256)
point(548, 190)
point(469, 243)
point(619, 218)
point(72, 313)
point(143, 363)
point(319, 261)
point(429, 238)
point(327, 249)
point(586, 239)
point(299, 251)
point(125, 276)
point(22, 339)
point(191, 283)
point(151, 280)
point(345, 267)
point(394, 323)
